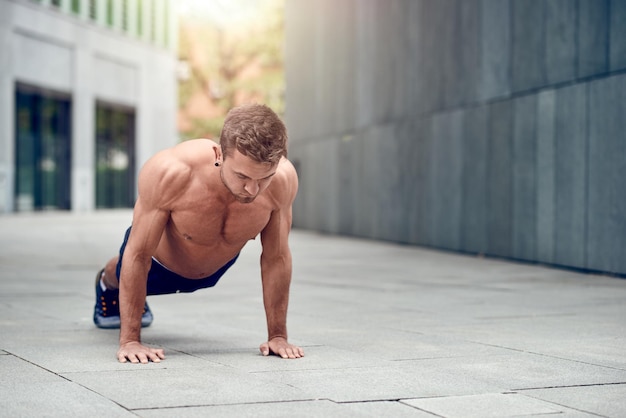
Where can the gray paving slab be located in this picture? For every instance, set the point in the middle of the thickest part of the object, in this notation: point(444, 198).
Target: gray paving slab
point(388, 330)
point(305, 409)
point(604, 400)
point(489, 405)
point(396, 381)
point(396, 409)
point(28, 390)
point(202, 383)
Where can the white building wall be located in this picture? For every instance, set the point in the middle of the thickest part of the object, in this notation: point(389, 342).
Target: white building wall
point(56, 49)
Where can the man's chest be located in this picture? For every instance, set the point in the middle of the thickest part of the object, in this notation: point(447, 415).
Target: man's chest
point(209, 226)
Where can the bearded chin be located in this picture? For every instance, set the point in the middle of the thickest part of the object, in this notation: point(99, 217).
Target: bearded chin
point(239, 198)
point(244, 199)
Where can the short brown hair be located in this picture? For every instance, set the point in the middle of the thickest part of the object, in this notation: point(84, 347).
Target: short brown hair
point(256, 132)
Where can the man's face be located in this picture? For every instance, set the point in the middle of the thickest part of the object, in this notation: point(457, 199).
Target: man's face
point(244, 177)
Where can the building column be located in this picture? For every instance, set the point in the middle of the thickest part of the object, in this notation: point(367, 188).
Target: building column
point(66, 6)
point(7, 109)
point(159, 22)
point(101, 12)
point(131, 17)
point(172, 23)
point(146, 20)
point(84, 9)
point(83, 130)
point(118, 13)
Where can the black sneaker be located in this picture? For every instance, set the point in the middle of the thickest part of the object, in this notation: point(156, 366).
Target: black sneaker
point(106, 313)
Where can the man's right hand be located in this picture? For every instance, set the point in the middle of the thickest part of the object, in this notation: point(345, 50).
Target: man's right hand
point(135, 352)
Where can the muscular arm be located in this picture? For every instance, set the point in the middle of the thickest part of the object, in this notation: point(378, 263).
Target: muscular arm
point(276, 269)
point(160, 180)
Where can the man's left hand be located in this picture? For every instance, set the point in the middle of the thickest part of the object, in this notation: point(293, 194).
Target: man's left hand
point(280, 347)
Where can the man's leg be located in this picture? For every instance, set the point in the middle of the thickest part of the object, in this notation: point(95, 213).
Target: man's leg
point(106, 311)
point(109, 278)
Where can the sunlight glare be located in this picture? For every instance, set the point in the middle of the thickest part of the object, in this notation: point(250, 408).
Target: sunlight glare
point(221, 12)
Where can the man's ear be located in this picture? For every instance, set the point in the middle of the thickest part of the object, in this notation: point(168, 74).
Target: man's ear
point(219, 157)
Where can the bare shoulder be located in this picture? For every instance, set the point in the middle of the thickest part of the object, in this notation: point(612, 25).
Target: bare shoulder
point(166, 175)
point(285, 183)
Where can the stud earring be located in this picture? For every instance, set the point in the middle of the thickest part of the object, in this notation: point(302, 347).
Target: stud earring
point(217, 164)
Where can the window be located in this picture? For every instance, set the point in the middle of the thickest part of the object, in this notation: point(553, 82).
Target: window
point(153, 25)
point(115, 156)
point(93, 10)
point(125, 15)
point(110, 13)
point(166, 23)
point(42, 149)
point(139, 18)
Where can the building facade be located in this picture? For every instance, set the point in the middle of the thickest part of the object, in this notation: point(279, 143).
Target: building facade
point(491, 127)
point(88, 92)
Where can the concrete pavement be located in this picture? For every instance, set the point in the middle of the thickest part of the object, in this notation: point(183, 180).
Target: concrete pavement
point(388, 330)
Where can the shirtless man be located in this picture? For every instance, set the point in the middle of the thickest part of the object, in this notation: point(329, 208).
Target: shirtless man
point(198, 205)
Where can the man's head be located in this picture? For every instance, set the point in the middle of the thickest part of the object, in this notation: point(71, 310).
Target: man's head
point(253, 141)
point(256, 132)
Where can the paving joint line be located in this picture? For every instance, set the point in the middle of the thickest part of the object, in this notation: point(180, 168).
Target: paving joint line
point(583, 385)
point(547, 355)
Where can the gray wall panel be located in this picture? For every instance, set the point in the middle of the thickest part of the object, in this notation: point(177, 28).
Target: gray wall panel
point(306, 182)
point(391, 208)
point(593, 26)
point(431, 20)
point(344, 66)
point(405, 135)
point(446, 172)
point(399, 59)
point(571, 175)
point(424, 231)
point(495, 63)
point(528, 65)
point(373, 181)
point(417, 185)
point(348, 179)
point(365, 58)
point(524, 178)
point(467, 41)
point(414, 77)
point(546, 178)
point(450, 51)
point(474, 187)
point(486, 126)
point(560, 32)
point(499, 179)
point(617, 35)
point(299, 70)
point(607, 171)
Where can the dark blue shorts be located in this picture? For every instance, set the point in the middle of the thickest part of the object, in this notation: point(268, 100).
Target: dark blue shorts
point(162, 281)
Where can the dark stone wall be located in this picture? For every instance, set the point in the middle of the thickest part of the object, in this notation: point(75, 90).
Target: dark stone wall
point(482, 126)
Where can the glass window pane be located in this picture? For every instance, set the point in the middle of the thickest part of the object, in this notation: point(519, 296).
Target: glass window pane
point(115, 156)
point(43, 153)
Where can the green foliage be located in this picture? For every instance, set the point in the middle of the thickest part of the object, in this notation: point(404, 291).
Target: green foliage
point(231, 63)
